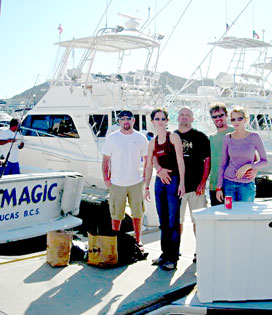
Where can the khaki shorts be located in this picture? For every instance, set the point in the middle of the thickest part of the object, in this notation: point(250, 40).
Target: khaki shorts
point(194, 202)
point(118, 198)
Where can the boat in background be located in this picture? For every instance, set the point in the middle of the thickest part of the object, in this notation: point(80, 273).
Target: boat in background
point(67, 127)
point(246, 82)
point(5, 118)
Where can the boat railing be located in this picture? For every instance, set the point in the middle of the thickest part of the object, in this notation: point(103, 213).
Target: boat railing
point(61, 147)
point(139, 87)
point(241, 85)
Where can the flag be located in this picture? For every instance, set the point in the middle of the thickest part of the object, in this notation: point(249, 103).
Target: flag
point(255, 35)
point(59, 28)
point(227, 26)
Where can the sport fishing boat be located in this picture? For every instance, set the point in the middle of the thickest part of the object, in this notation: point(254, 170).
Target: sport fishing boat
point(67, 128)
point(245, 82)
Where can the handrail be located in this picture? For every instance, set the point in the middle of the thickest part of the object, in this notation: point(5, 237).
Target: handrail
point(59, 149)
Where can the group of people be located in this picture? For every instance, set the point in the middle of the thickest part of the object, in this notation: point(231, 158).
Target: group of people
point(183, 160)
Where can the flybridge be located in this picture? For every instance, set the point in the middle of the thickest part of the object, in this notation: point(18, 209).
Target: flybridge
point(33, 204)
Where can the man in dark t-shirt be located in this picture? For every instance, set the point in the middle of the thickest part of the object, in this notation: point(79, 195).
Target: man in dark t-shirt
point(197, 157)
point(197, 160)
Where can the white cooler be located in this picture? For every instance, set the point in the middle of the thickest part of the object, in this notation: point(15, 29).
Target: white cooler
point(234, 252)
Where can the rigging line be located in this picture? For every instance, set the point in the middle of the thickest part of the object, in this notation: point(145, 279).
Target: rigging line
point(155, 24)
point(57, 57)
point(142, 29)
point(88, 50)
point(29, 96)
point(148, 17)
point(226, 12)
point(105, 12)
point(4, 165)
point(211, 50)
point(174, 28)
point(95, 31)
point(253, 17)
point(106, 16)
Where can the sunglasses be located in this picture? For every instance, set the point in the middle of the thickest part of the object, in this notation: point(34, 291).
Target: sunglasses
point(124, 119)
point(238, 119)
point(218, 116)
point(157, 119)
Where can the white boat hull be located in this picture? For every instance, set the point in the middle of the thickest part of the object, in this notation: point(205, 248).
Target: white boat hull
point(33, 204)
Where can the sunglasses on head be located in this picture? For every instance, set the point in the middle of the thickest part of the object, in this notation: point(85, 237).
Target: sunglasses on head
point(238, 119)
point(157, 119)
point(218, 116)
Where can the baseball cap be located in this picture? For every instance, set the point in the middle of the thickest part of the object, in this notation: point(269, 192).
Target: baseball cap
point(126, 113)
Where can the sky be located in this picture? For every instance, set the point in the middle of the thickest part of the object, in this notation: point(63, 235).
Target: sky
point(29, 29)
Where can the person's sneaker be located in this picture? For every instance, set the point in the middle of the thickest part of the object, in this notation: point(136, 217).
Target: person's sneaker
point(194, 259)
point(169, 266)
point(158, 261)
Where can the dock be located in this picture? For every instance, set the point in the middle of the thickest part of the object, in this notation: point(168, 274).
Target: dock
point(31, 286)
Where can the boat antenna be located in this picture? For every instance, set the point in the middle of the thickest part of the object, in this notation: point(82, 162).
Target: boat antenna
point(253, 26)
point(148, 17)
point(60, 30)
point(157, 14)
point(211, 50)
point(255, 35)
point(155, 23)
point(87, 51)
point(175, 27)
point(227, 25)
point(105, 13)
point(4, 165)
point(106, 24)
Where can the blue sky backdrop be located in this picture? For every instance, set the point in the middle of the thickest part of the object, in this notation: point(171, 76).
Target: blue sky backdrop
point(28, 31)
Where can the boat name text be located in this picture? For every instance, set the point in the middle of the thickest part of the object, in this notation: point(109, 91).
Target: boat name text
point(34, 195)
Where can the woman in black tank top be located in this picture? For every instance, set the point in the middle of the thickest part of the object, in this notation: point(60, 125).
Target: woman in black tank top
point(165, 151)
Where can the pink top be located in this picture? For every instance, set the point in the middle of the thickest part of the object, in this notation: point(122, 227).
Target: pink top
point(238, 152)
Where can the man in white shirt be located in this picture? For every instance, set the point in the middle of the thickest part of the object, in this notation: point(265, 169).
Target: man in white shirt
point(122, 157)
point(9, 148)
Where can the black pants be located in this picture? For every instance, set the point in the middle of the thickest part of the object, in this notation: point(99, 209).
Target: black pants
point(214, 201)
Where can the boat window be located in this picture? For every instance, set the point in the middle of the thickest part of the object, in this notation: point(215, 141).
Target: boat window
point(144, 122)
point(48, 125)
point(114, 116)
point(99, 124)
point(253, 122)
point(137, 122)
point(260, 122)
point(136, 116)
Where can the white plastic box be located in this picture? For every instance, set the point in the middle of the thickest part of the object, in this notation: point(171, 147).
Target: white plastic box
point(234, 252)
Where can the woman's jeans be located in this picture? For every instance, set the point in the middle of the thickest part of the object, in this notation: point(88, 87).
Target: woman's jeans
point(239, 191)
point(168, 208)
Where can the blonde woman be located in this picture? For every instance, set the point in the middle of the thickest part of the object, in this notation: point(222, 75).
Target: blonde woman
point(238, 156)
point(166, 148)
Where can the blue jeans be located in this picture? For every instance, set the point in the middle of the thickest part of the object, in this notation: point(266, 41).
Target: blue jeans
point(168, 208)
point(11, 169)
point(239, 191)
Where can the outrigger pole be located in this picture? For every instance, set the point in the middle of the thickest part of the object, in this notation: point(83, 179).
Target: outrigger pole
point(4, 164)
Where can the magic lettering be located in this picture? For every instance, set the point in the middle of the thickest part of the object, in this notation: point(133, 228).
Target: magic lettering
point(27, 195)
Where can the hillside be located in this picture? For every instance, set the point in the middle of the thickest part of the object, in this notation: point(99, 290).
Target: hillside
point(34, 94)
